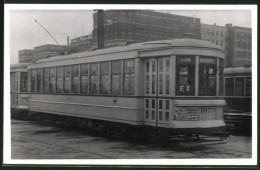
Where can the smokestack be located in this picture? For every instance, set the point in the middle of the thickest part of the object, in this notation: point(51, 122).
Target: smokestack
point(68, 41)
point(100, 29)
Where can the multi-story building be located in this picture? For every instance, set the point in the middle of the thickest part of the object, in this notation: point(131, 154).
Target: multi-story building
point(239, 46)
point(25, 56)
point(82, 43)
point(49, 50)
point(214, 34)
point(133, 26)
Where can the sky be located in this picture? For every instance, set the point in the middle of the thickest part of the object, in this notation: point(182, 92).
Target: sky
point(25, 33)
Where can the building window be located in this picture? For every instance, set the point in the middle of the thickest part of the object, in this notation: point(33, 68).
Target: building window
point(75, 79)
point(94, 80)
point(67, 79)
point(52, 79)
point(129, 76)
point(105, 80)
point(185, 75)
point(207, 76)
point(84, 78)
point(59, 80)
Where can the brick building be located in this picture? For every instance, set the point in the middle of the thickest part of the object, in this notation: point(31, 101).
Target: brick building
point(133, 26)
point(49, 50)
point(214, 34)
point(80, 44)
point(239, 46)
point(25, 56)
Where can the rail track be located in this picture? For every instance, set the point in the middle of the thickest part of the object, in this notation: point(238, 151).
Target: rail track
point(52, 145)
point(31, 138)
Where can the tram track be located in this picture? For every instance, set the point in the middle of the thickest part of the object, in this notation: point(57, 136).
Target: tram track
point(37, 142)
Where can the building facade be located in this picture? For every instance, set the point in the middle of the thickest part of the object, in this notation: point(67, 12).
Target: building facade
point(82, 43)
point(214, 34)
point(134, 26)
point(239, 46)
point(25, 56)
point(49, 50)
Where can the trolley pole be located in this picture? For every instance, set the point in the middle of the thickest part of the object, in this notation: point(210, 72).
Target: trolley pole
point(47, 31)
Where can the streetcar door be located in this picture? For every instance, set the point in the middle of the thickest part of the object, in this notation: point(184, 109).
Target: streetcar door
point(151, 92)
point(157, 92)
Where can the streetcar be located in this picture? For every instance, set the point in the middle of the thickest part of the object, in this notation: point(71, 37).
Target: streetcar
point(19, 90)
point(238, 95)
point(168, 89)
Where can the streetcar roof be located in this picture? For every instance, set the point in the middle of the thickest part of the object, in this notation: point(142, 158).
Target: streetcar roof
point(19, 65)
point(238, 70)
point(192, 43)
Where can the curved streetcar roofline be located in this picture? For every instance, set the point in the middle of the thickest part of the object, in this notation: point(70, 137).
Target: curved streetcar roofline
point(153, 45)
point(238, 70)
point(19, 66)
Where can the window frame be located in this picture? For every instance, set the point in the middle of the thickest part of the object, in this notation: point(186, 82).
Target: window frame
point(189, 89)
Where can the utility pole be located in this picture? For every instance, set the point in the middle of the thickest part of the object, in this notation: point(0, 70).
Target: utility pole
point(47, 31)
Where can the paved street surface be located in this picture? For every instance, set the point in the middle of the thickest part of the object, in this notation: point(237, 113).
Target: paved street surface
point(32, 140)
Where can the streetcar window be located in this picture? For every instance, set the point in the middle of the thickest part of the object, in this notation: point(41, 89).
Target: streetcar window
point(84, 69)
point(207, 76)
point(147, 84)
point(67, 79)
point(239, 86)
point(23, 81)
point(153, 104)
point(147, 114)
point(52, 79)
point(16, 81)
point(105, 80)
point(45, 80)
point(221, 77)
point(185, 75)
point(59, 80)
point(94, 69)
point(229, 86)
point(147, 66)
point(248, 86)
point(38, 80)
point(167, 65)
point(160, 65)
point(147, 103)
point(167, 104)
point(167, 116)
point(160, 83)
point(160, 104)
point(129, 76)
point(84, 78)
point(153, 83)
point(160, 115)
point(75, 79)
point(116, 77)
point(12, 82)
point(153, 115)
point(129, 66)
point(167, 84)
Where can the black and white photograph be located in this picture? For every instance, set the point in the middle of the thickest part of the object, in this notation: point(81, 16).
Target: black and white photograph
point(130, 84)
